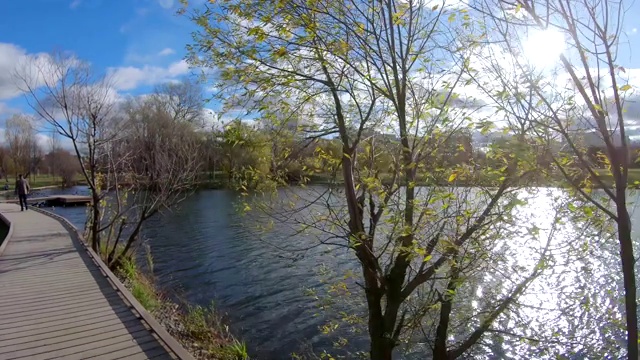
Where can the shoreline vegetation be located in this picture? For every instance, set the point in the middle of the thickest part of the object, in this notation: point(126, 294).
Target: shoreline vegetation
point(200, 330)
point(223, 181)
point(407, 108)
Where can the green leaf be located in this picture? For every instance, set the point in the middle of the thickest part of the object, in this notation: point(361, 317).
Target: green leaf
point(452, 17)
point(281, 52)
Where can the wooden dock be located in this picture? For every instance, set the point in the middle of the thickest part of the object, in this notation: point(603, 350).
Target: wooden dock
point(56, 200)
point(57, 301)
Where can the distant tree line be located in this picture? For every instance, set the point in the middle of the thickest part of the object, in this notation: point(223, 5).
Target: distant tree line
point(24, 152)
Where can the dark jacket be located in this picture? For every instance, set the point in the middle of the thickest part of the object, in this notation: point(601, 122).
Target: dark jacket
point(22, 187)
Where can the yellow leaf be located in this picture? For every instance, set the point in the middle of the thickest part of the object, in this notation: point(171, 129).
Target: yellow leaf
point(281, 52)
point(625, 87)
point(453, 177)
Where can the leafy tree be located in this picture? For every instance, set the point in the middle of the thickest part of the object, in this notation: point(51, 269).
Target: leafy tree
point(246, 154)
point(583, 107)
point(356, 69)
point(21, 142)
point(136, 161)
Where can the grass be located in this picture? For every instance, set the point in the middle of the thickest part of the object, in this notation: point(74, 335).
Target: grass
point(36, 181)
point(605, 175)
point(202, 329)
point(43, 180)
point(633, 178)
point(140, 286)
point(204, 325)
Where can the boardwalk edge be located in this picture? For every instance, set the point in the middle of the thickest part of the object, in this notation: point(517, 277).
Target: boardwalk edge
point(5, 241)
point(155, 326)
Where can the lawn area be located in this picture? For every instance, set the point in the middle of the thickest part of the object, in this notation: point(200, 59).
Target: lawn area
point(633, 180)
point(42, 180)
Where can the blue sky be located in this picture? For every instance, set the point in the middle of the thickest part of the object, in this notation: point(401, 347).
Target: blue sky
point(142, 42)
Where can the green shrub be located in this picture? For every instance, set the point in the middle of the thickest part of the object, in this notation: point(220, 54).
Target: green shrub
point(205, 326)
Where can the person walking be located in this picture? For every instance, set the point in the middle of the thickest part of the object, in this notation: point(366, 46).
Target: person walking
point(22, 190)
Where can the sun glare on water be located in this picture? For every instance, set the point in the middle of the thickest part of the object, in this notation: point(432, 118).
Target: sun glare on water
point(542, 48)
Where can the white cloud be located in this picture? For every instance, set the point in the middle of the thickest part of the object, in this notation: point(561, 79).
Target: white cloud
point(166, 51)
point(167, 4)
point(124, 28)
point(43, 139)
point(447, 4)
point(130, 77)
point(75, 3)
point(5, 109)
point(14, 58)
point(10, 56)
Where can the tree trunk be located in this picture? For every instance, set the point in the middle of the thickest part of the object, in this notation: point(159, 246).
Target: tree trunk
point(381, 345)
point(628, 272)
point(381, 349)
point(95, 224)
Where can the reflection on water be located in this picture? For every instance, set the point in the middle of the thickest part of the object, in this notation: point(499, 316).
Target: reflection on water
point(210, 253)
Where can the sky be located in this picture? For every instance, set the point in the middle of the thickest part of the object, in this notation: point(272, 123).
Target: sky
point(141, 43)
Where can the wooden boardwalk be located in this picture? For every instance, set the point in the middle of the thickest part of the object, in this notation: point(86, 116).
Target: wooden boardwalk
point(56, 200)
point(56, 302)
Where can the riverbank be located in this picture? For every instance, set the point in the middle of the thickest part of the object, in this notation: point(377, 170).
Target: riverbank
point(533, 180)
point(200, 330)
point(39, 187)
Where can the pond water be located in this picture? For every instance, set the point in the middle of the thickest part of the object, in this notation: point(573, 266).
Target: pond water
point(206, 252)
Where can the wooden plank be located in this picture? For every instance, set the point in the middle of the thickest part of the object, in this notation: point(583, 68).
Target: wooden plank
point(74, 322)
point(58, 260)
point(101, 350)
point(26, 294)
point(46, 298)
point(21, 276)
point(27, 282)
point(51, 294)
point(142, 352)
point(58, 300)
point(84, 343)
point(67, 311)
point(79, 301)
point(54, 199)
point(65, 276)
point(163, 357)
point(62, 339)
point(34, 278)
point(55, 331)
point(120, 312)
point(43, 286)
point(86, 300)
